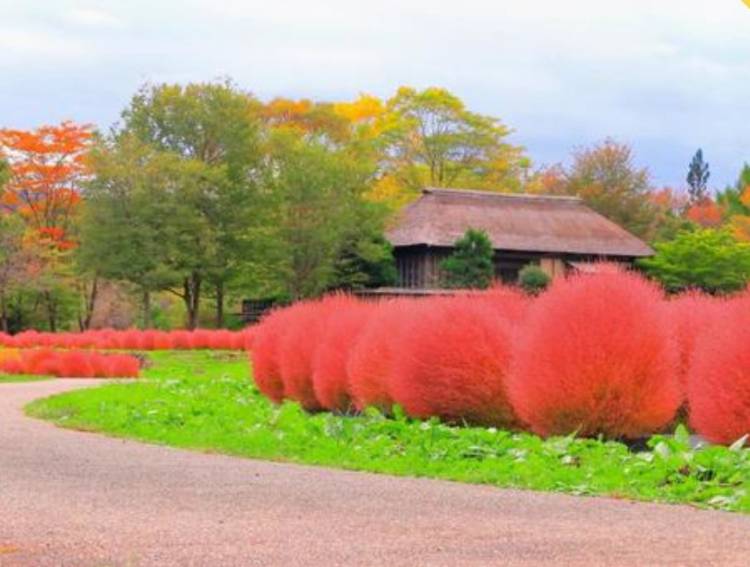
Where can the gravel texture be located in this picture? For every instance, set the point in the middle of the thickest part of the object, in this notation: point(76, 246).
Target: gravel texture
point(71, 498)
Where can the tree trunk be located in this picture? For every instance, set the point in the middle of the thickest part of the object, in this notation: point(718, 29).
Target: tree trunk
point(220, 305)
point(4, 313)
point(146, 307)
point(51, 311)
point(89, 299)
point(191, 296)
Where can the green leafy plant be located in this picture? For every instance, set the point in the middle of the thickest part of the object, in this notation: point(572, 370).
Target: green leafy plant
point(711, 260)
point(533, 279)
point(470, 265)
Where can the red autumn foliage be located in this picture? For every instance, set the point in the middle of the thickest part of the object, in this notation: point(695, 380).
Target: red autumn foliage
point(305, 324)
point(264, 355)
point(690, 315)
point(330, 377)
point(132, 339)
point(71, 364)
point(719, 377)
point(453, 363)
point(509, 303)
point(370, 365)
point(595, 356)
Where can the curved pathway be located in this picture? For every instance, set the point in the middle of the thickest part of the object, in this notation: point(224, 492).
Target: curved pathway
point(78, 499)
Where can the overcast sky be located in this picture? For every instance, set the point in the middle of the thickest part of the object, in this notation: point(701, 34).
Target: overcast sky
point(666, 76)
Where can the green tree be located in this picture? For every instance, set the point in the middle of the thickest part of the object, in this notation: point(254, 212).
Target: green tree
point(533, 279)
point(606, 178)
point(215, 130)
point(697, 178)
point(129, 205)
point(432, 139)
point(471, 263)
point(316, 215)
point(711, 260)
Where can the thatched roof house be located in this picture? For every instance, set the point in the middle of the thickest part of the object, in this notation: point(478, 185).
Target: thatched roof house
point(558, 233)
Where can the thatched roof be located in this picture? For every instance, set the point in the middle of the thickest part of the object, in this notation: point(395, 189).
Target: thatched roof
point(529, 223)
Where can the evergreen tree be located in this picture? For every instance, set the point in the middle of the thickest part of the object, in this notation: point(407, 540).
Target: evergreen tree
point(697, 178)
point(470, 265)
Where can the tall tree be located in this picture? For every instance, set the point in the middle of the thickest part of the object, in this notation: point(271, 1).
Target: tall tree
point(697, 178)
point(129, 206)
point(434, 140)
point(316, 213)
point(216, 125)
point(606, 178)
point(47, 168)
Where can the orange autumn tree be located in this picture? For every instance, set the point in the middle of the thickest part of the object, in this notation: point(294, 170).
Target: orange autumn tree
point(47, 168)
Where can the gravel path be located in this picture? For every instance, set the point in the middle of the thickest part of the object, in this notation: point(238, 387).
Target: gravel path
point(77, 499)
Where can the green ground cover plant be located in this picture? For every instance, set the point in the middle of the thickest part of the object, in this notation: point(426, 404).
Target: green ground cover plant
point(204, 400)
point(7, 378)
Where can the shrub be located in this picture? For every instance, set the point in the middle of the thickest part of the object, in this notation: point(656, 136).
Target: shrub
point(471, 263)
point(533, 279)
point(719, 377)
point(595, 357)
point(506, 302)
point(370, 364)
point(453, 364)
point(305, 324)
point(690, 315)
point(76, 364)
point(330, 377)
point(265, 354)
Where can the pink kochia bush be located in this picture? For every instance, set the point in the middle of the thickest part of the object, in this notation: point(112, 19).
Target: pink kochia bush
point(71, 364)
point(373, 355)
point(595, 356)
point(306, 322)
point(454, 362)
point(719, 377)
point(691, 315)
point(133, 339)
point(329, 365)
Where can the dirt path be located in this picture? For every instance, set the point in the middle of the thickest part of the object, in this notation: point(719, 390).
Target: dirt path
point(79, 499)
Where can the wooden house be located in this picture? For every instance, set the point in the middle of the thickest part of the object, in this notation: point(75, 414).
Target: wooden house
point(557, 233)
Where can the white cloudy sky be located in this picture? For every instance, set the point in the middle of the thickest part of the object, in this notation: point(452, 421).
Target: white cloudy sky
point(666, 76)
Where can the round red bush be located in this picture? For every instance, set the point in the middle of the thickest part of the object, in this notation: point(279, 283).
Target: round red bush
point(264, 355)
point(330, 378)
point(719, 377)
point(370, 365)
point(690, 315)
point(299, 340)
point(453, 363)
point(76, 364)
point(595, 356)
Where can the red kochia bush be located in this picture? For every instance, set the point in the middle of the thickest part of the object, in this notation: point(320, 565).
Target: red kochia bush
point(509, 303)
point(453, 363)
point(330, 378)
point(264, 355)
point(719, 377)
point(71, 364)
point(595, 356)
point(690, 315)
point(305, 324)
point(370, 366)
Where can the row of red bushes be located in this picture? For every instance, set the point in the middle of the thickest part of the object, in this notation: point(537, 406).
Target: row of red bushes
point(132, 339)
point(70, 363)
point(602, 354)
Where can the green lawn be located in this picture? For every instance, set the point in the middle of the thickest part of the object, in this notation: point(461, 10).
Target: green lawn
point(205, 401)
point(6, 378)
